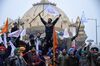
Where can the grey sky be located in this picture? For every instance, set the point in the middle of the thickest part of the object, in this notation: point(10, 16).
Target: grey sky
point(72, 8)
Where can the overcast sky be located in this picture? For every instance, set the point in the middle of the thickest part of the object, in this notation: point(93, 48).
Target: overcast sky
point(72, 8)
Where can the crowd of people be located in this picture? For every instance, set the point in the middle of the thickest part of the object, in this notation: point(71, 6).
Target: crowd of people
point(28, 56)
point(26, 53)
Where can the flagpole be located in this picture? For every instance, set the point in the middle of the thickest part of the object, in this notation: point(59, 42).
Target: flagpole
point(36, 16)
point(54, 50)
point(54, 59)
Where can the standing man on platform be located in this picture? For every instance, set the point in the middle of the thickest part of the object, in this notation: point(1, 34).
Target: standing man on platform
point(49, 29)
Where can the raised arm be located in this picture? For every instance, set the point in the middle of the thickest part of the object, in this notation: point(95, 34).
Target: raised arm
point(55, 21)
point(42, 20)
point(76, 33)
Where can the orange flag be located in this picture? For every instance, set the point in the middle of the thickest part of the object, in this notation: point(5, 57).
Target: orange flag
point(55, 45)
point(55, 39)
point(5, 28)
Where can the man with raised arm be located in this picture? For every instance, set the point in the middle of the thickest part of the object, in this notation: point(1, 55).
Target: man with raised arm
point(49, 29)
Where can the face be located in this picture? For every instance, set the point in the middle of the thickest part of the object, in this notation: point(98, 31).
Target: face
point(72, 53)
point(32, 50)
point(18, 53)
point(95, 51)
point(15, 24)
point(38, 34)
point(49, 20)
point(22, 49)
point(64, 52)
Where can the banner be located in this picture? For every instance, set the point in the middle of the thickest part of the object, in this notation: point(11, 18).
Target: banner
point(23, 33)
point(51, 10)
point(15, 33)
point(66, 34)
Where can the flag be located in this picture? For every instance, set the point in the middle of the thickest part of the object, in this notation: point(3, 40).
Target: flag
point(5, 28)
point(66, 34)
point(55, 39)
point(5, 40)
point(83, 18)
point(13, 48)
point(23, 33)
point(51, 10)
point(1, 40)
point(55, 45)
point(73, 31)
point(15, 33)
point(37, 43)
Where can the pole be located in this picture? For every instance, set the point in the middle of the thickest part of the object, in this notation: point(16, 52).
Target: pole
point(54, 59)
point(96, 28)
point(36, 17)
point(96, 32)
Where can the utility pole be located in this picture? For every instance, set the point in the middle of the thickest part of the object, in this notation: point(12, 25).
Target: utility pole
point(95, 27)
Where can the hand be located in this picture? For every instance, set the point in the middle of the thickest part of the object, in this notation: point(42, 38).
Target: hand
point(39, 14)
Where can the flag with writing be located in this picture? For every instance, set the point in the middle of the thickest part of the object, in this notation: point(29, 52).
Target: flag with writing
point(50, 9)
point(15, 33)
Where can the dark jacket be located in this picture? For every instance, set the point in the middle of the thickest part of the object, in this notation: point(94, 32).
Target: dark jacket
point(49, 26)
point(16, 61)
point(14, 29)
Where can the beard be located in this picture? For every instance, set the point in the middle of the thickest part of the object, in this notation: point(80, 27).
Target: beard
point(64, 53)
point(49, 21)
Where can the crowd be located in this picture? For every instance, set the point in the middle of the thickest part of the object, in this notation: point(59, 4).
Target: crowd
point(26, 53)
